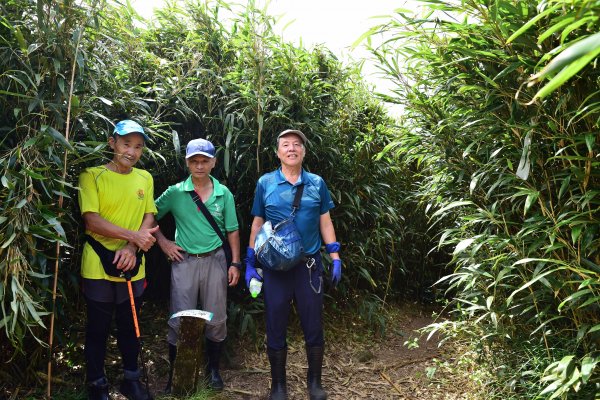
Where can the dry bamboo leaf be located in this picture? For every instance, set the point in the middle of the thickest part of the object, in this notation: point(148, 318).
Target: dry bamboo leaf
point(387, 378)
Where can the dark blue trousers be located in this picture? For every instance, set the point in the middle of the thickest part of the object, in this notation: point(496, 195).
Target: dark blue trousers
point(280, 289)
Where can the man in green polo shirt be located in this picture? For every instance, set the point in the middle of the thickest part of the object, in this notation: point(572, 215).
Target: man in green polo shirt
point(199, 272)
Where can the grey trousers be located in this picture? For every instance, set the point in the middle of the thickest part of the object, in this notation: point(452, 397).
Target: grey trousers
point(200, 283)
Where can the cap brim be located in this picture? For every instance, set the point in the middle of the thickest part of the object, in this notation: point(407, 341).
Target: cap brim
point(201, 153)
point(293, 132)
point(146, 138)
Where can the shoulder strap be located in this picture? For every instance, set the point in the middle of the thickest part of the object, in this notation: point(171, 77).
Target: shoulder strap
point(208, 216)
point(213, 223)
point(297, 198)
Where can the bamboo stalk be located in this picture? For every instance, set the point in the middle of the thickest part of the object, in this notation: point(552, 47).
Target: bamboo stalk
point(60, 205)
point(259, 51)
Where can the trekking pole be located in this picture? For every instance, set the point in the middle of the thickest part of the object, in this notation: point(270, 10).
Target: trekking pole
point(127, 275)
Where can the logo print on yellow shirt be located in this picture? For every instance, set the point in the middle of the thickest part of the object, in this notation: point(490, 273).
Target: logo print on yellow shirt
point(140, 194)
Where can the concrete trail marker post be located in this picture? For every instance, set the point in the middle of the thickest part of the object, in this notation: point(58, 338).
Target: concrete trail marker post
point(189, 363)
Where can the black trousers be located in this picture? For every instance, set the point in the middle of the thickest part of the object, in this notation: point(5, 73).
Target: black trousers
point(99, 318)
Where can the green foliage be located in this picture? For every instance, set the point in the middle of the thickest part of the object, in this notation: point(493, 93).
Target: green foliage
point(508, 172)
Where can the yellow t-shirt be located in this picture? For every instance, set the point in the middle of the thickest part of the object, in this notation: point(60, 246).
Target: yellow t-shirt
point(121, 199)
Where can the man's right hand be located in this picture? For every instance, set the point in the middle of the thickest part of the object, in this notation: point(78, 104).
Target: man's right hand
point(171, 250)
point(144, 238)
point(250, 266)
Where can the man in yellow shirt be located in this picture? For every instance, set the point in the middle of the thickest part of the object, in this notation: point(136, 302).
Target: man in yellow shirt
point(117, 204)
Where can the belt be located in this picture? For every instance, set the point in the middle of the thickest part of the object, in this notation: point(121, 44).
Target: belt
point(207, 254)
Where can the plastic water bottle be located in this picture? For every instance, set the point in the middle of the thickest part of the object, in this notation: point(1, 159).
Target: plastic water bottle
point(255, 285)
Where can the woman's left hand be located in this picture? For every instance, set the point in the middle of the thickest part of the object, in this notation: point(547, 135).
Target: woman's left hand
point(336, 273)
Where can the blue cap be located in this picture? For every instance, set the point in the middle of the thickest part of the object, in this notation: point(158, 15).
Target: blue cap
point(200, 146)
point(128, 126)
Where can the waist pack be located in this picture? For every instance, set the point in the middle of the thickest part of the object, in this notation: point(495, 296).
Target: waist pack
point(107, 256)
point(279, 247)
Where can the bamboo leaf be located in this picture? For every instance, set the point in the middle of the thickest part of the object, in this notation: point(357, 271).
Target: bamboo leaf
point(588, 364)
point(567, 73)
point(555, 28)
point(9, 241)
point(105, 100)
point(57, 226)
point(462, 245)
point(564, 186)
point(582, 49)
point(575, 233)
point(574, 296)
point(56, 135)
point(452, 205)
point(531, 282)
point(532, 22)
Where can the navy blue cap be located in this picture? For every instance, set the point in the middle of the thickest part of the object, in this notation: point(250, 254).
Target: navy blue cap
point(200, 146)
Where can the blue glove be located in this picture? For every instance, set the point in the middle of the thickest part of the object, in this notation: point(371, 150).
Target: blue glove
point(336, 273)
point(250, 269)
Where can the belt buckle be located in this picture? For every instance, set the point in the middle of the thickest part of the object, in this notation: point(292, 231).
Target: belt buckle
point(204, 255)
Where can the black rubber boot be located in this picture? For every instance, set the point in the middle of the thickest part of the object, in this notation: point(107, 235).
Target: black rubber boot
point(172, 355)
point(313, 376)
point(213, 355)
point(277, 359)
point(98, 389)
point(132, 388)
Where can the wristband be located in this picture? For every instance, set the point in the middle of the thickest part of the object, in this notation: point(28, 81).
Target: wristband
point(333, 247)
point(236, 264)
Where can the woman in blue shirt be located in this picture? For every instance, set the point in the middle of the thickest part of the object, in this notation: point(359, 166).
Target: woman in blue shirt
point(273, 200)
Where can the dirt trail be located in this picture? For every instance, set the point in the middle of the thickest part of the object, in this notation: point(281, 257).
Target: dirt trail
point(381, 368)
point(358, 364)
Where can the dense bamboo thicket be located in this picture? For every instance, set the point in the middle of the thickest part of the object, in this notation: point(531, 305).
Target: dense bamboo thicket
point(70, 69)
point(502, 119)
point(494, 164)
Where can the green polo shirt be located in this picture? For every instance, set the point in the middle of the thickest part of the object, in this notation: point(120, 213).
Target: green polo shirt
point(192, 231)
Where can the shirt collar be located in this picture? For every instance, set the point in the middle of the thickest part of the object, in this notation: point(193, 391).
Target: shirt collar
point(281, 178)
point(188, 186)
